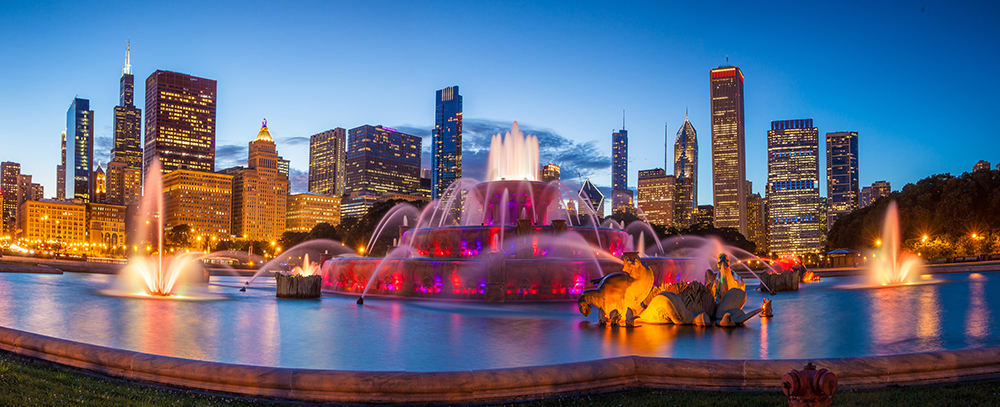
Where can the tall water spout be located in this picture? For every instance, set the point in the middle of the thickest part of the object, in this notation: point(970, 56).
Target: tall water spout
point(892, 266)
point(513, 157)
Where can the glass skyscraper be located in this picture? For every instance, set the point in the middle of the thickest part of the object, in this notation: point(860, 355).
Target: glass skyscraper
point(180, 121)
point(686, 175)
point(621, 196)
point(382, 160)
point(327, 157)
point(79, 149)
point(843, 191)
point(729, 168)
point(128, 122)
point(793, 187)
point(446, 158)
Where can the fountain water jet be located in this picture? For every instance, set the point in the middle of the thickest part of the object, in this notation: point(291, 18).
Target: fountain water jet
point(894, 266)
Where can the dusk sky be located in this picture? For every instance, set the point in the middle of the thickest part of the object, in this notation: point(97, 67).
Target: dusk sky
point(914, 79)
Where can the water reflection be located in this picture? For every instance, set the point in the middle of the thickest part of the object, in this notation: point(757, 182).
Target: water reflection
point(977, 316)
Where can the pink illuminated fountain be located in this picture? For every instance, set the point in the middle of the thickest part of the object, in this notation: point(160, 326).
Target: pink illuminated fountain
point(892, 266)
point(511, 238)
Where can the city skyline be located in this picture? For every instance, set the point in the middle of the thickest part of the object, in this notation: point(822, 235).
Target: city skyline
point(841, 97)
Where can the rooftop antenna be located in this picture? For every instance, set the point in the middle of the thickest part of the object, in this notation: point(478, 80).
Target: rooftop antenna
point(623, 119)
point(727, 59)
point(685, 114)
point(128, 58)
point(666, 145)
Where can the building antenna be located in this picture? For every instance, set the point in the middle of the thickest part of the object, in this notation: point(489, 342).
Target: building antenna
point(727, 59)
point(128, 58)
point(623, 119)
point(666, 144)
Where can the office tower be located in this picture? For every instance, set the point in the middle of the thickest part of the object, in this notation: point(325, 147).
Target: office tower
point(100, 192)
point(842, 187)
point(981, 165)
point(61, 172)
point(9, 173)
point(446, 156)
point(621, 196)
point(686, 174)
point(27, 190)
point(128, 121)
point(382, 160)
point(53, 219)
point(124, 184)
point(757, 222)
point(284, 166)
point(880, 189)
point(308, 209)
point(705, 214)
point(260, 192)
point(106, 225)
point(550, 172)
point(425, 186)
point(793, 187)
point(180, 121)
point(79, 149)
point(327, 157)
point(866, 196)
point(591, 198)
point(201, 200)
point(656, 196)
point(728, 151)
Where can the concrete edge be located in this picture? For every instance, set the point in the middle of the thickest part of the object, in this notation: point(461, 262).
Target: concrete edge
point(522, 383)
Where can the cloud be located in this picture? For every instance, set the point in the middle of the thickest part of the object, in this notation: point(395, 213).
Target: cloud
point(422, 132)
point(294, 141)
point(102, 150)
point(298, 180)
point(230, 155)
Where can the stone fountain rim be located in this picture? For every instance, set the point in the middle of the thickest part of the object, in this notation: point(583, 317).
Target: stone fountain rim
point(505, 384)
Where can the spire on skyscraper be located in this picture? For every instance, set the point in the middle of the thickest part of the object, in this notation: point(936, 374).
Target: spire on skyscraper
point(127, 70)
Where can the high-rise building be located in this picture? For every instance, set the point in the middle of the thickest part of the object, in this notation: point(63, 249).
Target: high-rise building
point(260, 192)
point(128, 121)
point(728, 150)
point(686, 174)
point(27, 190)
point(757, 222)
point(550, 172)
point(382, 160)
point(9, 173)
point(590, 198)
point(842, 187)
point(47, 219)
point(100, 192)
point(981, 165)
point(446, 156)
point(180, 122)
point(656, 196)
point(793, 187)
point(79, 149)
point(705, 214)
point(201, 200)
point(61, 172)
point(327, 157)
point(284, 167)
point(621, 196)
point(306, 210)
point(124, 184)
point(866, 196)
point(878, 190)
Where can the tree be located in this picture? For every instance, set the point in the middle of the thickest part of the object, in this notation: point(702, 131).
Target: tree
point(178, 237)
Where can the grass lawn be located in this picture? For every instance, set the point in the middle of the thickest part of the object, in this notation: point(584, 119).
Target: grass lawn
point(24, 382)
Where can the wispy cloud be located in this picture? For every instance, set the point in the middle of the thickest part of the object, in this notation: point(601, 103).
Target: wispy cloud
point(230, 155)
point(293, 141)
point(298, 180)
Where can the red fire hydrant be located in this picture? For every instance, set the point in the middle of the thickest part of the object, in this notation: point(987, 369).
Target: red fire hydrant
point(809, 387)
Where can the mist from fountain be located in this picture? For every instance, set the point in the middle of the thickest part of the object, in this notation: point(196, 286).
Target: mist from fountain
point(893, 266)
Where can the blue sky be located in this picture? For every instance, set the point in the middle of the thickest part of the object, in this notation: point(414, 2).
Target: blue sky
point(915, 79)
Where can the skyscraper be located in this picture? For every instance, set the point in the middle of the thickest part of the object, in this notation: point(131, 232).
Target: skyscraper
point(757, 222)
point(590, 197)
point(621, 196)
point(550, 172)
point(61, 172)
point(180, 121)
point(728, 151)
point(79, 149)
point(124, 184)
point(327, 156)
point(793, 187)
point(446, 158)
point(9, 174)
point(260, 191)
point(686, 174)
point(880, 189)
point(382, 160)
point(843, 191)
point(656, 196)
point(99, 193)
point(128, 121)
point(201, 200)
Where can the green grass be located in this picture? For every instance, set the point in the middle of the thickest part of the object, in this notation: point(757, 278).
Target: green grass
point(27, 382)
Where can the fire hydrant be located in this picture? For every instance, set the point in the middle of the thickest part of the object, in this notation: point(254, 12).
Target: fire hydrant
point(809, 387)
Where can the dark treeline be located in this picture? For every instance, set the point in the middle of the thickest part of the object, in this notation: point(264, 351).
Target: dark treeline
point(960, 216)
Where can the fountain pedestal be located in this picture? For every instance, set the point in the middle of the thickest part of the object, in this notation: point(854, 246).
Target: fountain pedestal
point(783, 281)
point(293, 286)
point(496, 277)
